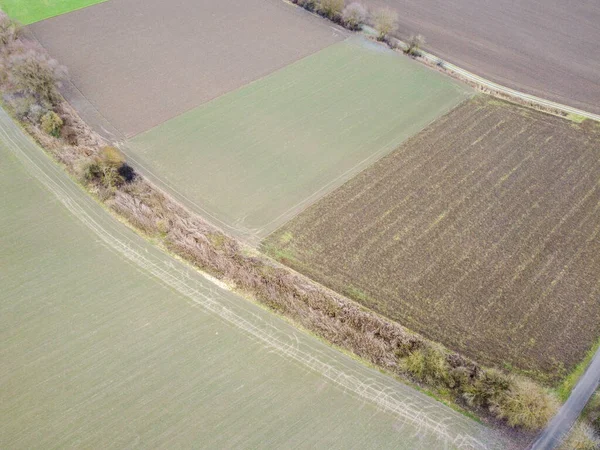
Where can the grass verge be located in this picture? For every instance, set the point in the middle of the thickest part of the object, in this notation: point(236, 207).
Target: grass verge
point(569, 382)
point(30, 11)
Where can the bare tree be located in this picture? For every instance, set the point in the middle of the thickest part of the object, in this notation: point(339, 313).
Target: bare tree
point(35, 73)
point(415, 42)
point(385, 21)
point(9, 29)
point(354, 15)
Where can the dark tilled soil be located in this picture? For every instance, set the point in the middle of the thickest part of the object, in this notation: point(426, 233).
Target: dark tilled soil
point(142, 62)
point(548, 48)
point(482, 232)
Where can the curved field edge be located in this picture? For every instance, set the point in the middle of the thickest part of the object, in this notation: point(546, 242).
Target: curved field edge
point(331, 316)
point(419, 197)
point(391, 398)
point(205, 247)
point(30, 11)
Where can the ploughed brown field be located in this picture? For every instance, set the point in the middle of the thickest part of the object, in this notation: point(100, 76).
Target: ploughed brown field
point(142, 62)
point(481, 232)
point(548, 48)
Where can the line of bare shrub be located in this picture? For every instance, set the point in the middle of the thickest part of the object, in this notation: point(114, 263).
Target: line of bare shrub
point(354, 15)
point(104, 171)
point(385, 21)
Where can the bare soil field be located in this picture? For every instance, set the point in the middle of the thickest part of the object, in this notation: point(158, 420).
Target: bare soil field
point(142, 62)
point(481, 232)
point(548, 48)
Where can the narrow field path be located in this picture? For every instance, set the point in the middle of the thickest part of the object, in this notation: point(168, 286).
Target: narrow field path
point(561, 424)
point(421, 421)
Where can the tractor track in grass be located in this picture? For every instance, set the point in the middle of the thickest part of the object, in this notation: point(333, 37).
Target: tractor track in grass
point(413, 409)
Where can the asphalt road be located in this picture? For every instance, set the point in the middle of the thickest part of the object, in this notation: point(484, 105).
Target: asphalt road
point(547, 48)
point(560, 425)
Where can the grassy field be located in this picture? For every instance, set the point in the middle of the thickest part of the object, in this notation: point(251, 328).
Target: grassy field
point(482, 232)
point(108, 342)
point(30, 11)
point(156, 59)
point(255, 157)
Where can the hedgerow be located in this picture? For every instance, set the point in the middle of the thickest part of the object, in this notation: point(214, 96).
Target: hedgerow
point(104, 171)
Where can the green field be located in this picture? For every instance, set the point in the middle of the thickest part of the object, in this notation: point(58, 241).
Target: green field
point(102, 349)
point(30, 11)
point(255, 157)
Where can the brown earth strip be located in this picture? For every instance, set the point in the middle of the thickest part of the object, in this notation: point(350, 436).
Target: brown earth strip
point(548, 48)
point(482, 232)
point(142, 62)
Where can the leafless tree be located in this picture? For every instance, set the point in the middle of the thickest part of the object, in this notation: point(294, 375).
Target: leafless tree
point(35, 73)
point(385, 21)
point(415, 42)
point(354, 15)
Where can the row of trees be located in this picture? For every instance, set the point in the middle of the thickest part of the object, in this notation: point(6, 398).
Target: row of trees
point(354, 15)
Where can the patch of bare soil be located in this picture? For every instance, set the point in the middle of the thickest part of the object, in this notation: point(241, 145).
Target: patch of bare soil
point(142, 62)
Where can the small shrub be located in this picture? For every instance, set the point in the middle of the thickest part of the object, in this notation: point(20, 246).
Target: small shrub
point(487, 387)
point(9, 30)
point(69, 135)
point(51, 123)
point(331, 9)
point(415, 42)
point(385, 22)
point(429, 365)
point(108, 168)
point(21, 106)
point(112, 157)
point(592, 412)
point(459, 377)
point(92, 171)
point(525, 405)
point(581, 437)
point(36, 74)
point(354, 15)
point(35, 113)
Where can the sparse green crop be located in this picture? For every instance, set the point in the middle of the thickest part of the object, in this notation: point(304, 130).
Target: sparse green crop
point(258, 155)
point(30, 11)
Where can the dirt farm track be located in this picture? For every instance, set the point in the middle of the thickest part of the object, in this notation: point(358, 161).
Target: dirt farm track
point(482, 232)
point(547, 48)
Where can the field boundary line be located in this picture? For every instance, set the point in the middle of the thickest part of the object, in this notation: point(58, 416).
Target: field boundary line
point(485, 85)
point(370, 390)
point(496, 88)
